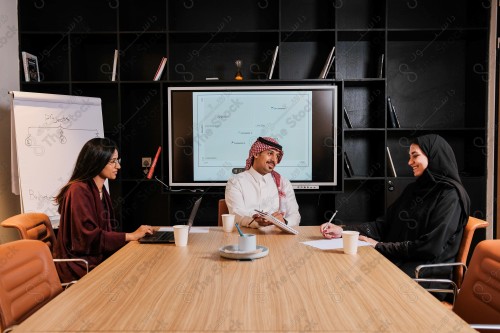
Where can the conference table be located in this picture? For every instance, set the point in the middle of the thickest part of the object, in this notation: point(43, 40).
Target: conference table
point(296, 287)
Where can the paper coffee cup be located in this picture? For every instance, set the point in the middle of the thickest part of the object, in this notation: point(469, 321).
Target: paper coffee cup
point(181, 233)
point(228, 222)
point(350, 241)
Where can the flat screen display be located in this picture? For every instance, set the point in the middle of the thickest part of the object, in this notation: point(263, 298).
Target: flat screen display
point(211, 130)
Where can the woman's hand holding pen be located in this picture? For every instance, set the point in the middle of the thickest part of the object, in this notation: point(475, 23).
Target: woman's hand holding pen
point(330, 230)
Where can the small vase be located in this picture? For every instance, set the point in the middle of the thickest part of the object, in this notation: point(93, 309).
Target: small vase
point(238, 75)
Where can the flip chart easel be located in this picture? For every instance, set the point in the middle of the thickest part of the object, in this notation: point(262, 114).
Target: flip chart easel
point(48, 132)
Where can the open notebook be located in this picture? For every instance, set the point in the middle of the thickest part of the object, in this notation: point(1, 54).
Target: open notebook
point(277, 222)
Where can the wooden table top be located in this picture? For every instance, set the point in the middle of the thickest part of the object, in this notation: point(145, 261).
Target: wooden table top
point(160, 287)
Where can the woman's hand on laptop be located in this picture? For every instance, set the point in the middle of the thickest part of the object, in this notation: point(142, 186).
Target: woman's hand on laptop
point(142, 231)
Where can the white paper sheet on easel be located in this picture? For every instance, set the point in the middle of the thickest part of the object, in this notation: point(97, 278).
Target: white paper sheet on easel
point(47, 133)
point(331, 244)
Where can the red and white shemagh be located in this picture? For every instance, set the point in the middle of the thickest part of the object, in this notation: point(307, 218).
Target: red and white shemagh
point(259, 147)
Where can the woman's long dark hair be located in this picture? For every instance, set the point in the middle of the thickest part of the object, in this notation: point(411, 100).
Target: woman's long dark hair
point(93, 157)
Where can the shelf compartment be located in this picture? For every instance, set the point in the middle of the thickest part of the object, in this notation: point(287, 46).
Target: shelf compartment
point(223, 15)
point(64, 17)
point(52, 53)
point(197, 56)
point(360, 14)
point(437, 14)
point(365, 103)
point(358, 54)
point(302, 55)
point(366, 152)
point(431, 86)
point(140, 56)
point(150, 17)
point(300, 15)
point(92, 56)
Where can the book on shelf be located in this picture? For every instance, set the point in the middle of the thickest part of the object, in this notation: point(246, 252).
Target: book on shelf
point(392, 117)
point(160, 69)
point(115, 62)
point(273, 62)
point(347, 119)
point(348, 166)
point(390, 164)
point(30, 64)
point(327, 65)
point(380, 69)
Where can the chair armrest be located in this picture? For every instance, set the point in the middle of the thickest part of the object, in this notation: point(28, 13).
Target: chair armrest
point(448, 264)
point(453, 285)
point(485, 326)
point(67, 284)
point(79, 260)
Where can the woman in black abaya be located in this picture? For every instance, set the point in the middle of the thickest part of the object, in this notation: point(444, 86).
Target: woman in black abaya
point(425, 224)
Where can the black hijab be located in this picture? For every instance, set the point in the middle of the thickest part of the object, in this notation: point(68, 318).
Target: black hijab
point(443, 165)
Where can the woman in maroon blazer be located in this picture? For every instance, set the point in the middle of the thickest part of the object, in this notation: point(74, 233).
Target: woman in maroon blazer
point(86, 228)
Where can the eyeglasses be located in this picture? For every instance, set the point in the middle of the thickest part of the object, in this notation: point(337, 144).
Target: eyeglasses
point(115, 161)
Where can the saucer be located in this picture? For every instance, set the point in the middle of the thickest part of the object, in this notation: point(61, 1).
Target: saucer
point(231, 252)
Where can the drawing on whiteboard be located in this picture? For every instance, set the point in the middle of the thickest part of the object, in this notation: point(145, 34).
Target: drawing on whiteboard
point(31, 141)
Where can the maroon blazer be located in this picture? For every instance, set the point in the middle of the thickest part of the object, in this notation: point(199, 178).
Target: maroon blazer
point(85, 230)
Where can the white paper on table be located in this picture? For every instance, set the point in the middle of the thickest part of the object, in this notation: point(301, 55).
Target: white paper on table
point(331, 244)
point(193, 230)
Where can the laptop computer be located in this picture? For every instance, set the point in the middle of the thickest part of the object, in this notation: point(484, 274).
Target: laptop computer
point(168, 236)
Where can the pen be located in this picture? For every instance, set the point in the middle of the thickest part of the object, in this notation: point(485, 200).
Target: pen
point(330, 220)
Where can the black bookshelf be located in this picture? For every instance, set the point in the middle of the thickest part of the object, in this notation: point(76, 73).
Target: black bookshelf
point(435, 61)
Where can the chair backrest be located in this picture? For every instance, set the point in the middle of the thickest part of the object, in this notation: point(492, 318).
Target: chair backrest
point(35, 226)
point(222, 210)
point(478, 301)
point(28, 280)
point(463, 252)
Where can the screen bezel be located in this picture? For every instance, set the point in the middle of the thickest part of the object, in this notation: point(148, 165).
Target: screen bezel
point(314, 184)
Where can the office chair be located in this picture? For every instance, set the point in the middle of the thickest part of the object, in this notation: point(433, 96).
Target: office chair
point(28, 280)
point(460, 264)
point(222, 210)
point(478, 301)
point(37, 226)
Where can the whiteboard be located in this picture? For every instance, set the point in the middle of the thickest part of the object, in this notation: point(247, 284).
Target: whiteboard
point(48, 132)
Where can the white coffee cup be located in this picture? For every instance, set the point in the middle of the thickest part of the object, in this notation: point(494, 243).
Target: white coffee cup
point(181, 233)
point(228, 222)
point(247, 243)
point(350, 241)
